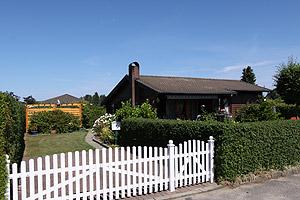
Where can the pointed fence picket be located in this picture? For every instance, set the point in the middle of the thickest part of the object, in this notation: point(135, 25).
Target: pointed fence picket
point(112, 173)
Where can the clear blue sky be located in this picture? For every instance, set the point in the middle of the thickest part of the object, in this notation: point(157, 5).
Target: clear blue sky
point(48, 48)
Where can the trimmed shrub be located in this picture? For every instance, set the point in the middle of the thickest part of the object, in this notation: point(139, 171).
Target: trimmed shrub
point(61, 122)
point(12, 129)
point(3, 176)
point(12, 126)
point(240, 148)
point(90, 114)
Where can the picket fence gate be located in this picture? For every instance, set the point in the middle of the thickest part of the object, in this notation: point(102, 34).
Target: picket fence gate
point(112, 173)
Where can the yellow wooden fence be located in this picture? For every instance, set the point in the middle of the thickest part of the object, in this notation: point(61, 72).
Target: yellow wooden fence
point(73, 108)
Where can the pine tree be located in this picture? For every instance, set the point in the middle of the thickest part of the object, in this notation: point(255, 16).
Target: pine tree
point(96, 99)
point(248, 75)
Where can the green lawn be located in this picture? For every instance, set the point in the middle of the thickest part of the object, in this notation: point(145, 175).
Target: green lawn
point(42, 145)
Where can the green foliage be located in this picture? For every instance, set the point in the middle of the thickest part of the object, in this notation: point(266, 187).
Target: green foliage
point(240, 148)
point(287, 111)
point(12, 129)
point(248, 75)
point(264, 111)
point(157, 132)
point(287, 81)
point(90, 113)
point(62, 122)
point(140, 111)
point(3, 176)
point(102, 128)
point(94, 99)
point(12, 126)
point(106, 135)
point(29, 100)
point(267, 110)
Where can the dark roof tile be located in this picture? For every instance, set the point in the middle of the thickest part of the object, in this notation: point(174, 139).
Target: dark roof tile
point(187, 85)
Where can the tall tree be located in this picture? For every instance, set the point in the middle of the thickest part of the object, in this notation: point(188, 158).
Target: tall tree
point(29, 100)
point(248, 75)
point(287, 81)
point(96, 99)
point(88, 98)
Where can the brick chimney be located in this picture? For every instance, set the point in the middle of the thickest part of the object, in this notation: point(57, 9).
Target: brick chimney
point(134, 73)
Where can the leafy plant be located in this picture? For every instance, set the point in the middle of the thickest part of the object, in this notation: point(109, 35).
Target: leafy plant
point(106, 135)
point(57, 120)
point(90, 114)
point(3, 176)
point(102, 128)
point(140, 111)
point(12, 129)
point(287, 81)
point(263, 111)
point(12, 125)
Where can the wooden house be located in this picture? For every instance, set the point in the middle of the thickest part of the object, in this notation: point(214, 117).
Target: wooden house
point(182, 97)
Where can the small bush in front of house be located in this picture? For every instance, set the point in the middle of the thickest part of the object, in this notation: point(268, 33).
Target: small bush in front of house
point(139, 111)
point(267, 110)
point(102, 128)
point(57, 120)
point(240, 148)
point(263, 111)
point(90, 114)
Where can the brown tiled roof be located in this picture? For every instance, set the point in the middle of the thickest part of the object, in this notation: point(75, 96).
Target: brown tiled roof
point(66, 98)
point(186, 85)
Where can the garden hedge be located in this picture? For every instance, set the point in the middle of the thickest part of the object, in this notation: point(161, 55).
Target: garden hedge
point(3, 176)
point(240, 148)
point(61, 122)
point(12, 129)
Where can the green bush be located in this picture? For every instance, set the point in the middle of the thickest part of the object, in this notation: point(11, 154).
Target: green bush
point(12, 126)
point(264, 111)
point(61, 122)
point(3, 176)
point(287, 111)
point(240, 148)
point(12, 129)
point(140, 111)
point(90, 114)
point(106, 136)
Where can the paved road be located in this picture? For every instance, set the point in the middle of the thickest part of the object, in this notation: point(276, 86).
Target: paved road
point(287, 188)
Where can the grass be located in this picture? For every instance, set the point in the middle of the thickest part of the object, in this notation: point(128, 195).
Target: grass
point(42, 145)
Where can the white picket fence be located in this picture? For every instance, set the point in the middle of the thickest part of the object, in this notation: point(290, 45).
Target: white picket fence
point(112, 173)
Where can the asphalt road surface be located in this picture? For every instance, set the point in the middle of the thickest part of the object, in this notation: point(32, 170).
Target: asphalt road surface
point(287, 188)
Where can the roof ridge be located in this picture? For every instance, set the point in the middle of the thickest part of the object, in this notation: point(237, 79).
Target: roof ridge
point(217, 79)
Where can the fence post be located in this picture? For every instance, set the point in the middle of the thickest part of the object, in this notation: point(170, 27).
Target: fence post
point(211, 158)
point(8, 179)
point(171, 151)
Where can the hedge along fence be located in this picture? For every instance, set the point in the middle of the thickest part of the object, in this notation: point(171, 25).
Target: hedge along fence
point(12, 129)
point(12, 126)
point(3, 176)
point(240, 148)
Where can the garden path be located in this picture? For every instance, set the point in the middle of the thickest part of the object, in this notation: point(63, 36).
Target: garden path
point(89, 139)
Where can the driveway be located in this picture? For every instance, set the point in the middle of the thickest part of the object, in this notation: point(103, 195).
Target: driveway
point(287, 188)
